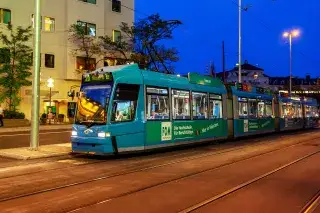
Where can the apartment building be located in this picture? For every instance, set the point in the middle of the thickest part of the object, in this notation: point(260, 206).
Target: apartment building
point(100, 17)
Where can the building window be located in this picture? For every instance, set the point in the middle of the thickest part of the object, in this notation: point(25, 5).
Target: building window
point(90, 29)
point(81, 63)
point(49, 24)
point(116, 6)
point(180, 105)
point(199, 104)
point(89, 1)
point(49, 60)
point(32, 20)
point(157, 104)
point(5, 16)
point(116, 35)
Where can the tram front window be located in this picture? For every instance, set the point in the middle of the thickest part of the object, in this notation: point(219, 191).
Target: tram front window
point(92, 104)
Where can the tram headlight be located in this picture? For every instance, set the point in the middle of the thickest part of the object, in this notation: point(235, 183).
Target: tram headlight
point(104, 134)
point(74, 133)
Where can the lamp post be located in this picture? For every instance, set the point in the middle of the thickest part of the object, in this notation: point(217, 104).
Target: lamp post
point(290, 35)
point(50, 84)
point(34, 140)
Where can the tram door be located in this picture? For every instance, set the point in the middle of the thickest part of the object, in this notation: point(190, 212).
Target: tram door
point(230, 114)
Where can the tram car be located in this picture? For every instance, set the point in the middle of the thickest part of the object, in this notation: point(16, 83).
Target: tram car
point(123, 109)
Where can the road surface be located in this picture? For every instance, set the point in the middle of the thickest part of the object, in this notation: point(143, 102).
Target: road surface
point(271, 174)
point(22, 139)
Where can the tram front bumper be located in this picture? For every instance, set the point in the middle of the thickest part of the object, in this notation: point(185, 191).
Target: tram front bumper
point(92, 145)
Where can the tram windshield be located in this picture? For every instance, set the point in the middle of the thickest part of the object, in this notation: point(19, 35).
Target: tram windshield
point(92, 104)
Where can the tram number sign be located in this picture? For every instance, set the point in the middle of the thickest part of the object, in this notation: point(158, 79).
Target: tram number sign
point(166, 131)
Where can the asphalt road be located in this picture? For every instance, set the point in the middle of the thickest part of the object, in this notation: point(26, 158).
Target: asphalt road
point(22, 139)
point(276, 174)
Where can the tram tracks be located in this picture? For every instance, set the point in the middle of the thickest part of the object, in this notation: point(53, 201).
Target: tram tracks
point(149, 168)
point(223, 194)
point(313, 204)
point(187, 151)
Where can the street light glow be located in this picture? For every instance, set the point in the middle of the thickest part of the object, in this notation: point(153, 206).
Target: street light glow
point(292, 33)
point(286, 34)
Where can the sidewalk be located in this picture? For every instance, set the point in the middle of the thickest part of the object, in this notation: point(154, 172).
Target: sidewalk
point(42, 127)
point(43, 152)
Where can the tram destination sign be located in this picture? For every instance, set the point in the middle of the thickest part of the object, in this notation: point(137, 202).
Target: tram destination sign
point(195, 78)
point(97, 77)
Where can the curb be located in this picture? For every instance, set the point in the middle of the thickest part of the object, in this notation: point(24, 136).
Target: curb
point(45, 151)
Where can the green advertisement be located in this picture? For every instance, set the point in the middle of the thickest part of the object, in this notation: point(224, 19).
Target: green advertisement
point(161, 132)
point(252, 125)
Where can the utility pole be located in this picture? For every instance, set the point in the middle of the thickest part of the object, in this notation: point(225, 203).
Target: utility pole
point(240, 39)
point(34, 142)
point(223, 63)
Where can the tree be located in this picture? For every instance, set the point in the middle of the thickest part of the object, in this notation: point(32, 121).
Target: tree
point(86, 45)
point(16, 60)
point(145, 42)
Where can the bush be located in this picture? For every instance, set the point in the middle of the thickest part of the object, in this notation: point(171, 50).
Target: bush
point(13, 115)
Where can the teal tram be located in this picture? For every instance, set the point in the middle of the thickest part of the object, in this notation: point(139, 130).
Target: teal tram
point(125, 109)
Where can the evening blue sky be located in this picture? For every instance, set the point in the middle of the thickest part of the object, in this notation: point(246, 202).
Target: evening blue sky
point(207, 23)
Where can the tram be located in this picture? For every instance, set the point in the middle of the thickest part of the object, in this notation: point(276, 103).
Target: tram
point(125, 109)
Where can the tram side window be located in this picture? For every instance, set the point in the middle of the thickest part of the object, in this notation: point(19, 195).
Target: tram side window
point(297, 110)
point(157, 104)
point(287, 110)
point(125, 103)
point(199, 104)
point(253, 108)
point(243, 107)
point(261, 109)
point(215, 106)
point(180, 104)
point(269, 111)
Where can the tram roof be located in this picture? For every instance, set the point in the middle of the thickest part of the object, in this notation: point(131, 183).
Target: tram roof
point(132, 74)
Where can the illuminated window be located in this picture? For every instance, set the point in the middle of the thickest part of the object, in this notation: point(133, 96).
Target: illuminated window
point(90, 29)
point(5, 16)
point(116, 6)
point(157, 104)
point(83, 63)
point(89, 1)
point(215, 106)
point(180, 104)
point(199, 104)
point(243, 107)
point(49, 24)
point(116, 35)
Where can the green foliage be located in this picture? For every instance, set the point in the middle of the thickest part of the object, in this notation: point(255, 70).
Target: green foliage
point(85, 45)
point(13, 115)
point(145, 41)
point(16, 64)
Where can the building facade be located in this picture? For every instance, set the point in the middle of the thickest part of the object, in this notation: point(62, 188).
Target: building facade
point(100, 17)
point(250, 74)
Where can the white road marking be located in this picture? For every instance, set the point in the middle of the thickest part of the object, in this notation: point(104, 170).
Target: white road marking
point(43, 133)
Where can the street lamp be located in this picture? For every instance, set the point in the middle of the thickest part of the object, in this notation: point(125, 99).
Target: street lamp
point(240, 39)
point(50, 84)
point(291, 34)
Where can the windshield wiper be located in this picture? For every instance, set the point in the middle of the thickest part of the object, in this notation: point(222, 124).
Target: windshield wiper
point(94, 116)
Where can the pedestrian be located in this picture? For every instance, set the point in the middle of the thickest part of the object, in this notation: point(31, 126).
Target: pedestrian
point(1, 117)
